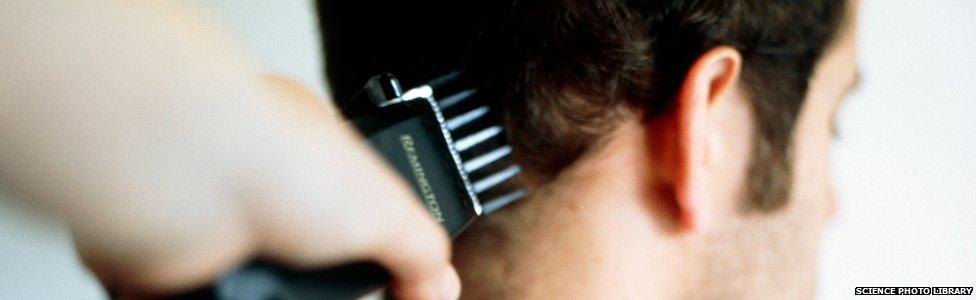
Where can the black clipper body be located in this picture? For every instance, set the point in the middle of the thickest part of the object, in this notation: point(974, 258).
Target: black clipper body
point(449, 146)
point(409, 131)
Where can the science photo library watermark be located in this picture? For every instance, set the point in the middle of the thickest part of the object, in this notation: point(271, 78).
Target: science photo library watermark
point(921, 290)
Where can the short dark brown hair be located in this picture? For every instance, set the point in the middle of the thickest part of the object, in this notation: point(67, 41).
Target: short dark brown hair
point(567, 71)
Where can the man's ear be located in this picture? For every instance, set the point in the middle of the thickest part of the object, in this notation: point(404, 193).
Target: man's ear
point(683, 130)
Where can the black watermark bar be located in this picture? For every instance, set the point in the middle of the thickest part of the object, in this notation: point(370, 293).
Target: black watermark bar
point(917, 290)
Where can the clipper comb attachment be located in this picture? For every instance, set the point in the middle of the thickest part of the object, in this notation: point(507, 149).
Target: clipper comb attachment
point(479, 138)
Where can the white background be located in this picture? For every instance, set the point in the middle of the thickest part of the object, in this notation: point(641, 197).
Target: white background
point(905, 165)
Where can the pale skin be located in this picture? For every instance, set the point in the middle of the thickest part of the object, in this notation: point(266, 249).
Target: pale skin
point(156, 140)
point(656, 212)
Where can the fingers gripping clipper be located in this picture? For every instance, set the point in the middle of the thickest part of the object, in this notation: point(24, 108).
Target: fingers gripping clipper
point(443, 139)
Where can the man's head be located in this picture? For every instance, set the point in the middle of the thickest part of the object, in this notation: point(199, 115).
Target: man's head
point(678, 145)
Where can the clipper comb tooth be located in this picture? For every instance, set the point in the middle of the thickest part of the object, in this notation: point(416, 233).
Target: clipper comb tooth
point(469, 141)
point(453, 99)
point(465, 118)
point(496, 178)
point(500, 201)
point(451, 89)
point(476, 163)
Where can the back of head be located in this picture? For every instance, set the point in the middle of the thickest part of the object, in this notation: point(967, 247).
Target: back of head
point(568, 72)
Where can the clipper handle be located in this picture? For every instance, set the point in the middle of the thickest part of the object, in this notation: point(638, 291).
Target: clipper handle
point(262, 281)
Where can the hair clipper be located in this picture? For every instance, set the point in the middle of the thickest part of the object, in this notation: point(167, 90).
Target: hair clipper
point(443, 139)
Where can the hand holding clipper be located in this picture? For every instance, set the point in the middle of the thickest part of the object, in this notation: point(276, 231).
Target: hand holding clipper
point(446, 143)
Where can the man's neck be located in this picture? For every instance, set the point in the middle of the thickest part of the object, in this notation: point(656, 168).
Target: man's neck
point(595, 227)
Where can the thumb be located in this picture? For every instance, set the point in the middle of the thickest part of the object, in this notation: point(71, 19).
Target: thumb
point(418, 256)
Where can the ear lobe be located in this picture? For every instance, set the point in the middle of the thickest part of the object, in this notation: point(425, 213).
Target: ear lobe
point(709, 80)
